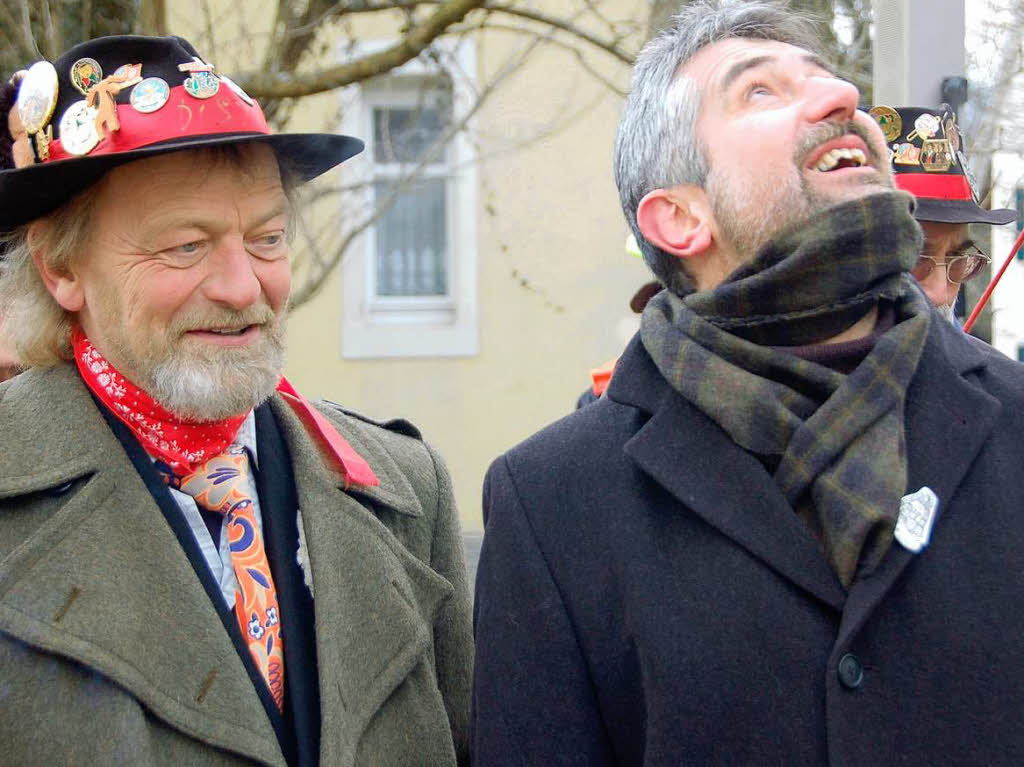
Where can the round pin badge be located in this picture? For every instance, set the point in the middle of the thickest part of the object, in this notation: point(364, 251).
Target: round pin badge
point(237, 90)
point(202, 85)
point(925, 126)
point(149, 95)
point(889, 121)
point(78, 133)
point(37, 96)
point(86, 73)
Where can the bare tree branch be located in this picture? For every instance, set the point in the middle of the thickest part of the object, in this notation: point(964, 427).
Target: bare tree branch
point(414, 42)
point(86, 17)
point(576, 52)
point(26, 29)
point(609, 46)
point(314, 283)
point(51, 31)
point(556, 23)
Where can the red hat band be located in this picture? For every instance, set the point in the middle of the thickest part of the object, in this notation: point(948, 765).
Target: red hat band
point(182, 116)
point(938, 187)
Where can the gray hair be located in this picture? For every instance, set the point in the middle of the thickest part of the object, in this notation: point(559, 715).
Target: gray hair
point(657, 144)
point(35, 326)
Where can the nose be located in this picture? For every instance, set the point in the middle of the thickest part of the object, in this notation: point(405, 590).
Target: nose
point(830, 99)
point(231, 279)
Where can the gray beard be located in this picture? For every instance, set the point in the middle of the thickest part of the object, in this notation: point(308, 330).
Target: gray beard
point(211, 390)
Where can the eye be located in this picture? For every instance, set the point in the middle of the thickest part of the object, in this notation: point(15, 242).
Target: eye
point(185, 254)
point(758, 89)
point(269, 245)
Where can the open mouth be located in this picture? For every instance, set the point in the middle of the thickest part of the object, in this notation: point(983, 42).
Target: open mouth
point(839, 158)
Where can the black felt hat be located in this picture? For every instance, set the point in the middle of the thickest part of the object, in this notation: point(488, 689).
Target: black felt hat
point(112, 100)
point(928, 160)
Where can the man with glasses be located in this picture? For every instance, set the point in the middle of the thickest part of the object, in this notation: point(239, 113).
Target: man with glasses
point(928, 160)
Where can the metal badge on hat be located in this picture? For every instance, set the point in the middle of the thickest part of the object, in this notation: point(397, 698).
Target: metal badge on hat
point(952, 131)
point(936, 156)
point(78, 133)
point(202, 83)
point(925, 126)
point(888, 120)
point(102, 96)
point(972, 181)
point(906, 154)
point(237, 89)
point(149, 95)
point(85, 73)
point(37, 98)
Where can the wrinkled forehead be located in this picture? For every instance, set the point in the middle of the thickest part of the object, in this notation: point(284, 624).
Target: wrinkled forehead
point(716, 67)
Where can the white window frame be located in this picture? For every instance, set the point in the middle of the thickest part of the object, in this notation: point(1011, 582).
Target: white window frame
point(415, 326)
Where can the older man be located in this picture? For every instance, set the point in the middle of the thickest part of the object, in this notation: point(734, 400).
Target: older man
point(789, 533)
point(196, 565)
point(928, 160)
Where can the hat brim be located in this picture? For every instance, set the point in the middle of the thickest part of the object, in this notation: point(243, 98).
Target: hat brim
point(30, 192)
point(960, 212)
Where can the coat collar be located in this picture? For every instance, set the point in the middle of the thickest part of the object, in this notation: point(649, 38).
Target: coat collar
point(77, 586)
point(375, 602)
point(948, 418)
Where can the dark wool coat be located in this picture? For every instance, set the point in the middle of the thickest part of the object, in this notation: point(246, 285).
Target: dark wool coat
point(645, 595)
point(112, 652)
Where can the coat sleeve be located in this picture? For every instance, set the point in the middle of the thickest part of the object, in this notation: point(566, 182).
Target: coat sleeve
point(453, 633)
point(533, 698)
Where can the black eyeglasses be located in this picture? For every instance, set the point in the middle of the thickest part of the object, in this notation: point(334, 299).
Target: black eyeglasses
point(961, 265)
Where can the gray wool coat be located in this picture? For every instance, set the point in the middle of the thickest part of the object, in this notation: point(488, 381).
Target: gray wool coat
point(112, 653)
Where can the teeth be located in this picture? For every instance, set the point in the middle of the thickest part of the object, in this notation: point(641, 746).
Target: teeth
point(833, 157)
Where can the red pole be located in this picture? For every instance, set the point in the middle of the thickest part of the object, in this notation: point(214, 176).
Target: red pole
point(992, 285)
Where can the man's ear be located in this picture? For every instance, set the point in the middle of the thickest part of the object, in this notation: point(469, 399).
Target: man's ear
point(65, 287)
point(676, 220)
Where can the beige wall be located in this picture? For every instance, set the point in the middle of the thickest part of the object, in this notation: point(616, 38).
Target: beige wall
point(548, 212)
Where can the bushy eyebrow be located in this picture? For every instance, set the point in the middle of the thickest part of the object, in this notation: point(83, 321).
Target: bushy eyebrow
point(737, 69)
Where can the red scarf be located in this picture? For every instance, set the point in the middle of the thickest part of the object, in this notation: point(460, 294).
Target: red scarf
point(183, 444)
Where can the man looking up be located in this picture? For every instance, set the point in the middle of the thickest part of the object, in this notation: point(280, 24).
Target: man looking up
point(196, 565)
point(928, 160)
point(784, 535)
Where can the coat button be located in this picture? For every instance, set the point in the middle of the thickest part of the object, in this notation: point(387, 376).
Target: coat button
point(851, 671)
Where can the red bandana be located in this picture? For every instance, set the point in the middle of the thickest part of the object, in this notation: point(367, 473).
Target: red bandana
point(183, 445)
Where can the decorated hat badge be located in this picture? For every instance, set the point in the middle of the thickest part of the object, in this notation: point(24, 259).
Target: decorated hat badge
point(926, 149)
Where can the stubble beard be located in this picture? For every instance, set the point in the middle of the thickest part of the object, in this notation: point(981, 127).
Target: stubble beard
point(748, 218)
point(750, 213)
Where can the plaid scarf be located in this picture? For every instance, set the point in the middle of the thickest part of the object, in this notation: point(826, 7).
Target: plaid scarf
point(838, 439)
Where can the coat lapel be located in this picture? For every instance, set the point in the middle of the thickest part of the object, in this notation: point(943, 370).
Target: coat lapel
point(948, 420)
point(692, 458)
point(374, 601)
point(104, 580)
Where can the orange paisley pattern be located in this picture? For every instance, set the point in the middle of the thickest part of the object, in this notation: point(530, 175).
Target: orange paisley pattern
point(221, 484)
